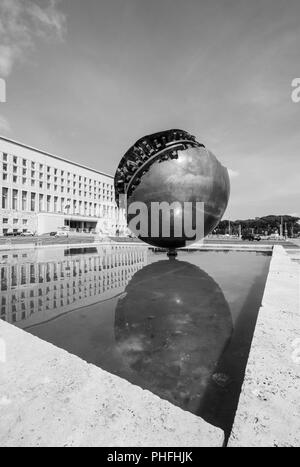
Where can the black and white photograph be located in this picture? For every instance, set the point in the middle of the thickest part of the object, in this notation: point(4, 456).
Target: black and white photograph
point(149, 226)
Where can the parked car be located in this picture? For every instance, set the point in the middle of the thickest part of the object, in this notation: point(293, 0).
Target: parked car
point(11, 233)
point(52, 234)
point(62, 233)
point(28, 233)
point(251, 237)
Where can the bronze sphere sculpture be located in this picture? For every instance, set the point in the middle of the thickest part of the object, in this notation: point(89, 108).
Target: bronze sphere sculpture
point(171, 167)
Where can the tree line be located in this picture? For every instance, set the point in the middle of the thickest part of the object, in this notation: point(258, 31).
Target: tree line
point(267, 225)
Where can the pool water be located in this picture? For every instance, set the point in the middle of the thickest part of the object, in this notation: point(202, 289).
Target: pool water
point(179, 328)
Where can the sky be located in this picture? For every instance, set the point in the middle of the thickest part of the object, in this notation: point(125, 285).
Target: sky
point(86, 79)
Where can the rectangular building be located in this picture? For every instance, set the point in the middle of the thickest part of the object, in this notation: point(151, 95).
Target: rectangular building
point(42, 193)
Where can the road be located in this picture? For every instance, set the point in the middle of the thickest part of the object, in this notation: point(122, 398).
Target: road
point(47, 240)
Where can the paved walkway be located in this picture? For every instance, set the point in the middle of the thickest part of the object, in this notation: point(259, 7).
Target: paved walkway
point(268, 414)
point(49, 398)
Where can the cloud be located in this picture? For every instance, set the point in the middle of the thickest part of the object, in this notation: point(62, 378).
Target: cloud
point(22, 22)
point(4, 125)
point(233, 173)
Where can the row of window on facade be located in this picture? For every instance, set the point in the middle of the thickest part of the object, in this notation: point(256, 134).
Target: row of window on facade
point(21, 310)
point(23, 275)
point(47, 203)
point(53, 177)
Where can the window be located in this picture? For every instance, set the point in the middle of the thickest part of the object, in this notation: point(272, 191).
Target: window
point(24, 162)
point(4, 177)
point(15, 221)
point(15, 160)
point(41, 185)
point(15, 200)
point(5, 221)
point(48, 203)
point(15, 179)
point(4, 156)
point(55, 204)
point(41, 202)
point(32, 165)
point(15, 169)
point(4, 198)
point(32, 202)
point(4, 167)
point(25, 221)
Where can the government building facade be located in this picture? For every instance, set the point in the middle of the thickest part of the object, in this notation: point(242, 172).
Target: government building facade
point(44, 193)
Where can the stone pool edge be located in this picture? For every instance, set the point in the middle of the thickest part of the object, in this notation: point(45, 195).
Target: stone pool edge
point(268, 413)
point(50, 398)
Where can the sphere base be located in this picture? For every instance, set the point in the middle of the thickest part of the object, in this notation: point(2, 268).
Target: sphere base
point(172, 253)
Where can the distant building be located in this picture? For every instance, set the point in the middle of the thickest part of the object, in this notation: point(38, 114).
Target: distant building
point(42, 193)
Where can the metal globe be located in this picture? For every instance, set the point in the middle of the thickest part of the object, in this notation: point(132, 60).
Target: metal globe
point(171, 167)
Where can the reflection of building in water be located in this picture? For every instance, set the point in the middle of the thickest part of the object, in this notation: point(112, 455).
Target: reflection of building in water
point(35, 288)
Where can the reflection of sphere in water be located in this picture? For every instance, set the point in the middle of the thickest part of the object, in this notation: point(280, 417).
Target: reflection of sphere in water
point(173, 167)
point(171, 328)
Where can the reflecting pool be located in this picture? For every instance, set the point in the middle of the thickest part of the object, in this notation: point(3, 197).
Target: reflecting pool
point(179, 328)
